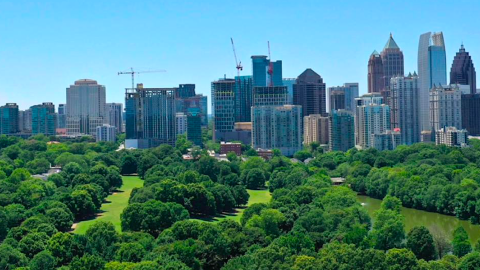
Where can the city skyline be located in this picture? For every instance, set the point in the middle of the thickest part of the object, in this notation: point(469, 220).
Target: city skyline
point(40, 57)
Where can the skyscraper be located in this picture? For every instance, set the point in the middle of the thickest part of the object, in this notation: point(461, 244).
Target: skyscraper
point(393, 65)
point(25, 121)
point(463, 71)
point(349, 91)
point(309, 92)
point(277, 127)
point(289, 82)
point(195, 103)
point(106, 133)
point(150, 117)
point(315, 129)
point(372, 117)
point(445, 107)
point(452, 136)
point(432, 70)
point(269, 95)
point(342, 131)
point(404, 108)
point(181, 119)
point(185, 91)
point(114, 116)
point(85, 107)
point(376, 82)
point(243, 98)
point(9, 119)
point(194, 129)
point(223, 106)
point(260, 67)
point(470, 113)
point(62, 116)
point(44, 119)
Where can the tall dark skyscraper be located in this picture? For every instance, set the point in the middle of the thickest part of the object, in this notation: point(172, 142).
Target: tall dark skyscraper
point(309, 92)
point(393, 64)
point(470, 113)
point(463, 71)
point(243, 98)
point(375, 73)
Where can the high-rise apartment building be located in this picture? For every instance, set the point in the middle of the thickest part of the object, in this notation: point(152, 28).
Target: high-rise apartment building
point(309, 92)
point(62, 116)
point(463, 71)
point(260, 71)
point(376, 83)
point(194, 104)
point(243, 98)
point(341, 130)
point(389, 140)
point(372, 117)
point(404, 108)
point(115, 116)
point(393, 64)
point(85, 107)
point(445, 107)
point(194, 129)
point(106, 133)
point(349, 91)
point(25, 121)
point(44, 119)
point(471, 113)
point(185, 91)
point(150, 117)
point(181, 119)
point(432, 70)
point(315, 129)
point(277, 127)
point(289, 82)
point(9, 119)
point(223, 106)
point(269, 95)
point(451, 136)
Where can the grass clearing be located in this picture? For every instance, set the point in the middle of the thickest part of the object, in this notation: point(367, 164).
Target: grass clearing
point(114, 206)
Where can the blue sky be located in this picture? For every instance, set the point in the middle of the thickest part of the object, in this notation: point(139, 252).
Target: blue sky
point(46, 45)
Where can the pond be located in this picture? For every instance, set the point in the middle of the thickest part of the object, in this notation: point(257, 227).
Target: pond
point(433, 221)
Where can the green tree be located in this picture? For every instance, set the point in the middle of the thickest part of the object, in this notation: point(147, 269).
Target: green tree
point(470, 262)
point(42, 261)
point(420, 242)
point(255, 179)
point(11, 258)
point(128, 164)
point(461, 243)
point(61, 219)
point(33, 243)
point(130, 252)
point(87, 262)
point(401, 259)
point(101, 239)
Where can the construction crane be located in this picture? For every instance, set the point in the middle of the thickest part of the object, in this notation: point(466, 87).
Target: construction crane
point(270, 66)
point(132, 72)
point(239, 64)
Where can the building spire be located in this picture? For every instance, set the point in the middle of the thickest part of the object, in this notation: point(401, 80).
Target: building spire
point(462, 48)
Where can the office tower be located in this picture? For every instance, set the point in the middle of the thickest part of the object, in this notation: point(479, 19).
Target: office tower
point(9, 119)
point(389, 140)
point(260, 67)
point(150, 117)
point(289, 82)
point(315, 129)
point(195, 103)
point(404, 108)
point(62, 116)
point(376, 82)
point(269, 95)
point(463, 71)
point(342, 130)
point(348, 92)
point(372, 117)
point(185, 91)
point(445, 107)
point(114, 116)
point(309, 92)
point(223, 107)
point(451, 136)
point(243, 98)
point(277, 127)
point(432, 70)
point(85, 107)
point(25, 121)
point(181, 119)
point(393, 65)
point(44, 119)
point(471, 113)
point(106, 133)
point(194, 129)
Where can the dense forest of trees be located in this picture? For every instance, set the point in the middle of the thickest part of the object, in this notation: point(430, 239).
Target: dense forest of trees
point(308, 224)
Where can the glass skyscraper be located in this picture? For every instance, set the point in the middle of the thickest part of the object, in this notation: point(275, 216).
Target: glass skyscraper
point(9, 119)
point(349, 91)
point(463, 71)
point(260, 66)
point(432, 70)
point(44, 119)
point(243, 98)
point(223, 106)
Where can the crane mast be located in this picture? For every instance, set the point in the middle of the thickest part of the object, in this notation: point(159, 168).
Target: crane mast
point(270, 66)
point(238, 64)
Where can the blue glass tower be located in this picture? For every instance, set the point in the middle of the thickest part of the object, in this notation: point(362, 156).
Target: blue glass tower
point(44, 119)
point(260, 66)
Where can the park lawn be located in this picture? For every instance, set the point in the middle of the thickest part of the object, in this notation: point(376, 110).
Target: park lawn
point(256, 196)
point(116, 202)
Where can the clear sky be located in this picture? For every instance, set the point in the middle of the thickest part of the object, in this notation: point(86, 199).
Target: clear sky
point(46, 45)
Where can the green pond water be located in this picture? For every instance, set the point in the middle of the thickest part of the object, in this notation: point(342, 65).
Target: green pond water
point(433, 221)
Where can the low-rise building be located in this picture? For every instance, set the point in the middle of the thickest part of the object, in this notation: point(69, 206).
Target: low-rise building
point(227, 147)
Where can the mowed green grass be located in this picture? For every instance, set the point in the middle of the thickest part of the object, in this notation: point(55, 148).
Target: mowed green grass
point(116, 202)
point(256, 196)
